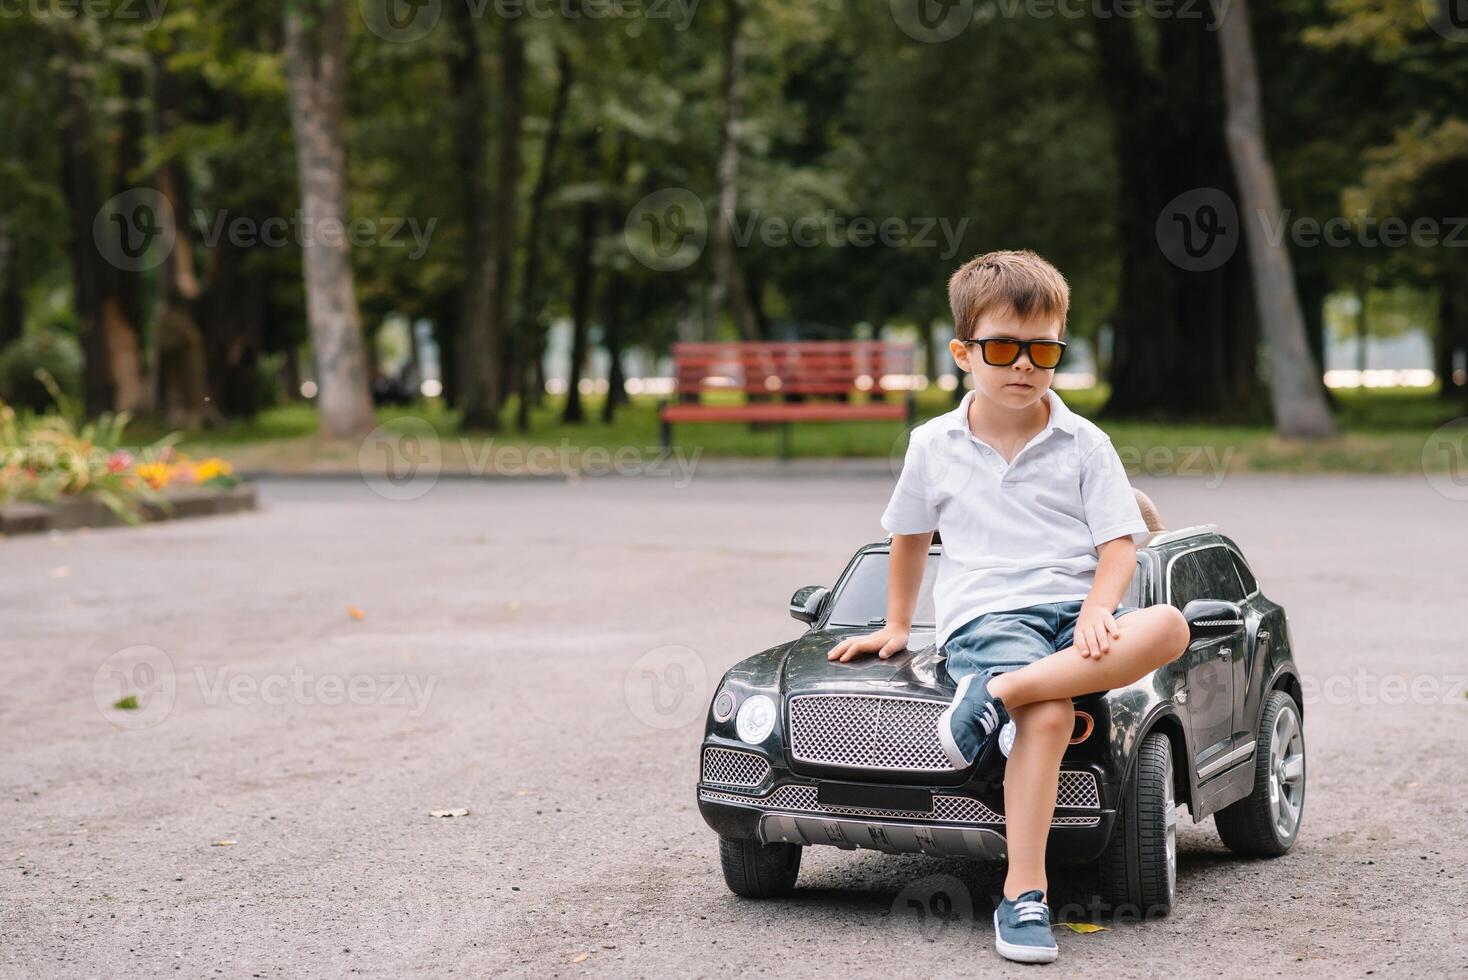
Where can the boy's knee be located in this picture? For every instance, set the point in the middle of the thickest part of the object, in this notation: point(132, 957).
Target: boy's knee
point(1175, 629)
point(1049, 718)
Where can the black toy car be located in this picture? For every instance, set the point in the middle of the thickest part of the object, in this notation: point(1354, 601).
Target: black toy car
point(800, 751)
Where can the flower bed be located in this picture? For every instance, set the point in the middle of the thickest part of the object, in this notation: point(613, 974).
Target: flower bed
point(58, 473)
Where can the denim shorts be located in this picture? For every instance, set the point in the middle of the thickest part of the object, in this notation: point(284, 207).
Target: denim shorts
point(999, 641)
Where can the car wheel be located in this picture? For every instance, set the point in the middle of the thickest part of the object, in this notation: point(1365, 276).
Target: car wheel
point(1139, 865)
point(755, 870)
point(1266, 822)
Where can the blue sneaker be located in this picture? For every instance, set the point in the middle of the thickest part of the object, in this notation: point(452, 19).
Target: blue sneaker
point(1022, 929)
point(970, 721)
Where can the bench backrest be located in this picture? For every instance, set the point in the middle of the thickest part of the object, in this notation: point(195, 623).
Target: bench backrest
point(803, 367)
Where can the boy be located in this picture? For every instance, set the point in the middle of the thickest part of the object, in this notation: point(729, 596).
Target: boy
point(1040, 531)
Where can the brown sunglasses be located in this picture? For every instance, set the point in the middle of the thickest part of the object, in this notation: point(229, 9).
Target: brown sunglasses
point(1004, 351)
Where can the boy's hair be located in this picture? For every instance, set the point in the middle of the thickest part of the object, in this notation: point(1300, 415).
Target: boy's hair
point(1018, 282)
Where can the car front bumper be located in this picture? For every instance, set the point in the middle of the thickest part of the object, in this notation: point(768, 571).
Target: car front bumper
point(959, 823)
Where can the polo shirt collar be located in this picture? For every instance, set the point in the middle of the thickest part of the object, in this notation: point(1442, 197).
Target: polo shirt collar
point(1061, 417)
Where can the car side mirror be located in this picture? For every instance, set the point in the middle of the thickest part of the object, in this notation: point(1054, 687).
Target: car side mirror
point(806, 603)
point(1209, 618)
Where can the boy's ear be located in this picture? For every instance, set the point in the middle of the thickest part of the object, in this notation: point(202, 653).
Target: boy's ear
point(959, 350)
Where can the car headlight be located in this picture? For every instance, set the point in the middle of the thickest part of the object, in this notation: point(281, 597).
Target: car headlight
point(756, 719)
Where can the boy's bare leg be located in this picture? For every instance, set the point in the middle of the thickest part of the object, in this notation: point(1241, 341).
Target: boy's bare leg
point(1149, 638)
point(1031, 780)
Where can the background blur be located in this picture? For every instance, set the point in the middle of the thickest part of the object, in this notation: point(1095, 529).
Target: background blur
point(258, 223)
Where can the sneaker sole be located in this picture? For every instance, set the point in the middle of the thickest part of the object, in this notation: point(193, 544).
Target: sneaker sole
point(1022, 954)
point(945, 734)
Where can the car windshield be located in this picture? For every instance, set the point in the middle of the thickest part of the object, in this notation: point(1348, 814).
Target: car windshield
point(862, 599)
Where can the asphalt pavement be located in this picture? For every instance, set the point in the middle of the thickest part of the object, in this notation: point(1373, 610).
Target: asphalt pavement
point(316, 680)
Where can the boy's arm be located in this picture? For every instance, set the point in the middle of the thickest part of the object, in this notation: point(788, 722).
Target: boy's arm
point(1095, 626)
point(905, 566)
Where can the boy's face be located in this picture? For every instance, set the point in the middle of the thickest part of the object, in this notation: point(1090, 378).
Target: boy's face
point(1019, 385)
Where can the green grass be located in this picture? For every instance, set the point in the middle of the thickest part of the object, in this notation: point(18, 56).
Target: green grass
point(1382, 431)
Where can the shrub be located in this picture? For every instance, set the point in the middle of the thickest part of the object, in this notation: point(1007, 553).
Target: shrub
point(56, 353)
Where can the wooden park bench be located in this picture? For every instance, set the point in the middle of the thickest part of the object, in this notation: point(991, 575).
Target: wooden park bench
point(793, 381)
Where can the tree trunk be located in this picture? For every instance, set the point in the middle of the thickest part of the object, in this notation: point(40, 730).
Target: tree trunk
point(79, 181)
point(12, 301)
point(529, 328)
point(1451, 343)
point(581, 294)
point(316, 66)
point(470, 354)
point(1363, 332)
point(612, 299)
point(1296, 389)
point(729, 284)
point(1185, 339)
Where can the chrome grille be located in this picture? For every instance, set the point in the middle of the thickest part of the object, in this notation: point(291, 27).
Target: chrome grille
point(867, 731)
point(946, 809)
point(1078, 788)
point(729, 768)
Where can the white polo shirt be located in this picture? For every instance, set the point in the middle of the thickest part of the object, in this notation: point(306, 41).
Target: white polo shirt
point(1014, 534)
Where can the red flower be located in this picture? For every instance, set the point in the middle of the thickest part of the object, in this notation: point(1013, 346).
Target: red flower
point(119, 461)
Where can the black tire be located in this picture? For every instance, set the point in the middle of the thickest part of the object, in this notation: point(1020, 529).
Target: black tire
point(1266, 822)
point(1138, 869)
point(755, 870)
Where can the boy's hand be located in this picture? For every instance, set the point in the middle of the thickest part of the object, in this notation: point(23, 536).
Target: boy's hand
point(1095, 629)
point(886, 641)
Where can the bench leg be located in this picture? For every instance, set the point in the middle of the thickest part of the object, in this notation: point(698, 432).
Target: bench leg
point(665, 434)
